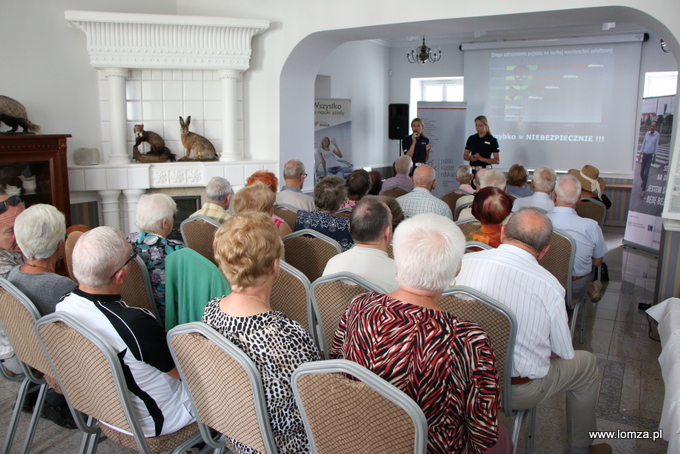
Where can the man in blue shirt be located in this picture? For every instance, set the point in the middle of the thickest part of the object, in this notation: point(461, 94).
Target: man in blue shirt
point(649, 148)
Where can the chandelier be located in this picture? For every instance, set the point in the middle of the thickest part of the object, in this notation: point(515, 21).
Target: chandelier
point(423, 54)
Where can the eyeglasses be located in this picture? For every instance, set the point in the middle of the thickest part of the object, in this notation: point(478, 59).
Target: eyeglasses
point(12, 201)
point(132, 257)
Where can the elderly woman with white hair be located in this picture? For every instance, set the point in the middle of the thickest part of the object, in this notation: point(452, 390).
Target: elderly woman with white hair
point(155, 218)
point(445, 364)
point(40, 231)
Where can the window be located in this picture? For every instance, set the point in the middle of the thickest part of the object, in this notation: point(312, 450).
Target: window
point(660, 84)
point(435, 89)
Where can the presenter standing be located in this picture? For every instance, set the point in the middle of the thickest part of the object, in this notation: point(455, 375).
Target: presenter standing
point(329, 158)
point(481, 149)
point(416, 146)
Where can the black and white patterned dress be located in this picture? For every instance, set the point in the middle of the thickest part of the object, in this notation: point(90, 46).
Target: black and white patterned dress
point(277, 346)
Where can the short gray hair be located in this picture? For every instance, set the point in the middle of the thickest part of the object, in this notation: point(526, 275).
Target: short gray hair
point(428, 249)
point(38, 231)
point(493, 177)
point(218, 189)
point(369, 218)
point(463, 174)
point(152, 210)
point(424, 175)
point(293, 169)
point(544, 179)
point(98, 255)
point(530, 226)
point(403, 164)
point(568, 190)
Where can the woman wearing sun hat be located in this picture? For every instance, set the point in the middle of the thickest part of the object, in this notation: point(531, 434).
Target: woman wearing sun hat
point(591, 184)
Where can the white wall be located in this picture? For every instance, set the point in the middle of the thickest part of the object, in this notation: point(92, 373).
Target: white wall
point(45, 65)
point(359, 71)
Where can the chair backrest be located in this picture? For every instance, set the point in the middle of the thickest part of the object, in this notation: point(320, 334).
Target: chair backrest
point(234, 404)
point(593, 209)
point(474, 246)
point(136, 290)
point(460, 208)
point(18, 315)
point(71, 241)
point(287, 213)
point(469, 225)
point(309, 251)
point(500, 325)
point(452, 197)
point(344, 212)
point(364, 414)
point(396, 191)
point(330, 296)
point(560, 259)
point(290, 295)
point(88, 369)
point(198, 233)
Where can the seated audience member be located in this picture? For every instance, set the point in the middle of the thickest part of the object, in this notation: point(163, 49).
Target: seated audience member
point(270, 180)
point(463, 176)
point(371, 229)
point(420, 200)
point(490, 207)
point(247, 250)
point(517, 179)
point(590, 245)
point(376, 182)
point(218, 192)
point(591, 184)
point(40, 231)
point(259, 197)
point(10, 254)
point(485, 178)
point(443, 363)
point(544, 361)
point(100, 261)
point(291, 193)
point(543, 184)
point(358, 184)
point(155, 219)
point(395, 209)
point(402, 167)
point(329, 193)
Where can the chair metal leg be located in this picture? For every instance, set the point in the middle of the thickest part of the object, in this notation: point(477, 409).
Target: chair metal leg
point(34, 418)
point(583, 324)
point(531, 431)
point(21, 397)
point(520, 416)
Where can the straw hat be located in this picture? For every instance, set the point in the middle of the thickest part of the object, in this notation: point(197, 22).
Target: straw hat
point(589, 176)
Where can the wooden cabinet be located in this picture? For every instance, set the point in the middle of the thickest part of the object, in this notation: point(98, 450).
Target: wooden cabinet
point(35, 164)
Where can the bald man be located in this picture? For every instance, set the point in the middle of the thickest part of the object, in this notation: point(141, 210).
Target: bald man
point(10, 254)
point(421, 200)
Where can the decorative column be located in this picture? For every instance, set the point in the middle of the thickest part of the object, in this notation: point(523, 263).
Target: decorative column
point(111, 208)
point(131, 199)
point(118, 114)
point(229, 78)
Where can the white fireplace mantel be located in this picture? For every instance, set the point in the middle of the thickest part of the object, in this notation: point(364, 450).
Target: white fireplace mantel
point(152, 41)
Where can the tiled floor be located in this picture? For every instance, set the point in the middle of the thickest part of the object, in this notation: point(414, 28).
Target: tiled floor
point(631, 393)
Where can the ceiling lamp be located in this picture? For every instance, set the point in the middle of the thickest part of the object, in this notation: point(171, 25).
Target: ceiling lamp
point(423, 54)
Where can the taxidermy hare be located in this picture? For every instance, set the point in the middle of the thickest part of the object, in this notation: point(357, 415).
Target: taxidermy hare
point(204, 150)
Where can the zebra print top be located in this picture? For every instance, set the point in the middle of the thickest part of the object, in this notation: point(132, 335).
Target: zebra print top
point(444, 364)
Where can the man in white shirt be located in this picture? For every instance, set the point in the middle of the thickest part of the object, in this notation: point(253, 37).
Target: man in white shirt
point(648, 149)
point(370, 225)
point(420, 200)
point(590, 245)
point(291, 193)
point(100, 260)
point(544, 361)
point(543, 184)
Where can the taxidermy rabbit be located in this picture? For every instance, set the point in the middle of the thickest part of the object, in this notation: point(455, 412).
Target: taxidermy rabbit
point(203, 149)
point(156, 143)
point(13, 114)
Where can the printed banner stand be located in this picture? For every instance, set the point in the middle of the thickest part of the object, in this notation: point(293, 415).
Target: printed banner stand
point(332, 138)
point(644, 224)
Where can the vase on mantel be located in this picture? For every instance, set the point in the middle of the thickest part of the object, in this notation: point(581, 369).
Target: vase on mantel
point(29, 184)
